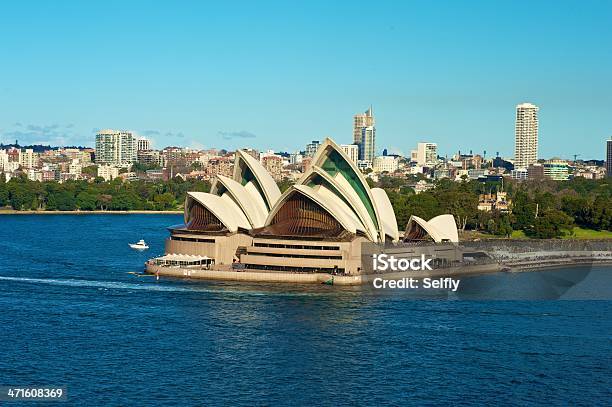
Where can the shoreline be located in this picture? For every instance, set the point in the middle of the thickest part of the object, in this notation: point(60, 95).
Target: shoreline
point(96, 212)
point(320, 278)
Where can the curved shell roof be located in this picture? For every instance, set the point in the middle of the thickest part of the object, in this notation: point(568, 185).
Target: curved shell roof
point(333, 160)
point(326, 200)
point(339, 186)
point(223, 207)
point(266, 183)
point(251, 199)
point(255, 212)
point(441, 228)
point(387, 215)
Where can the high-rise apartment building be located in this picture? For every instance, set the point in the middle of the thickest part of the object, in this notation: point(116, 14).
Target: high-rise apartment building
point(364, 135)
point(115, 147)
point(526, 135)
point(367, 146)
point(144, 144)
point(426, 154)
point(352, 150)
point(360, 121)
point(609, 158)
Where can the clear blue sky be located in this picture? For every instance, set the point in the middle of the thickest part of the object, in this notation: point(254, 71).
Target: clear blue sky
point(276, 75)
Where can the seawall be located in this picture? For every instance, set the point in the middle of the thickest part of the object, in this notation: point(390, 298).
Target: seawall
point(313, 278)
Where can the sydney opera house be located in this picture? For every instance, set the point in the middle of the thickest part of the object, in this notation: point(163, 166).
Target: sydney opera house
point(317, 225)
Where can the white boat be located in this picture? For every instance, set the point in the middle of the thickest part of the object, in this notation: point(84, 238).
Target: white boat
point(140, 245)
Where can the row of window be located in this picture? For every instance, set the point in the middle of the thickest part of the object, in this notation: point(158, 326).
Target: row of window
point(297, 256)
point(335, 270)
point(290, 246)
point(192, 239)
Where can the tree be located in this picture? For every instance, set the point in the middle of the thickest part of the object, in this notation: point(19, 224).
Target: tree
point(86, 201)
point(523, 210)
point(164, 202)
point(21, 195)
point(498, 223)
point(63, 200)
point(600, 214)
point(462, 205)
point(551, 224)
point(104, 201)
point(4, 193)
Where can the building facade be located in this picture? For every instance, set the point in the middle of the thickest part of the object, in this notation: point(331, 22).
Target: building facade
point(115, 147)
point(556, 169)
point(274, 165)
point(352, 151)
point(609, 157)
point(311, 148)
point(364, 135)
point(27, 158)
point(426, 154)
point(526, 135)
point(367, 145)
point(385, 163)
point(535, 171)
point(360, 121)
point(108, 172)
point(144, 144)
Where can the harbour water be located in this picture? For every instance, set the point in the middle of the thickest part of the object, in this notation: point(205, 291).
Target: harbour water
point(73, 314)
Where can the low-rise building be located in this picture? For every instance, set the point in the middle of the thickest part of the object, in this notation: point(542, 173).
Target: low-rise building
point(498, 201)
point(149, 157)
point(219, 166)
point(422, 186)
point(75, 168)
point(274, 165)
point(108, 172)
point(535, 171)
point(385, 163)
point(520, 174)
point(556, 169)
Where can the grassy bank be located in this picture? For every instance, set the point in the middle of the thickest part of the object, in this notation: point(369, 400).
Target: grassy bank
point(578, 233)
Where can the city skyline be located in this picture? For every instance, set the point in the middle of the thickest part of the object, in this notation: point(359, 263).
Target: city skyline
point(250, 75)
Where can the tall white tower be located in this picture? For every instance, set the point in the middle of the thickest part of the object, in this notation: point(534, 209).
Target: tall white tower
point(526, 135)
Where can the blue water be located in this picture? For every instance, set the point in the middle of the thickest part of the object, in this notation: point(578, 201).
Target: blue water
point(72, 315)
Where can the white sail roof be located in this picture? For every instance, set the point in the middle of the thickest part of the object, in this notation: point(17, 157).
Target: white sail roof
point(249, 200)
point(341, 187)
point(387, 215)
point(268, 186)
point(441, 228)
point(224, 209)
point(346, 173)
point(326, 200)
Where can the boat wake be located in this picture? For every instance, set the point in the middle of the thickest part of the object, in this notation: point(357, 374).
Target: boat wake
point(148, 286)
point(98, 284)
